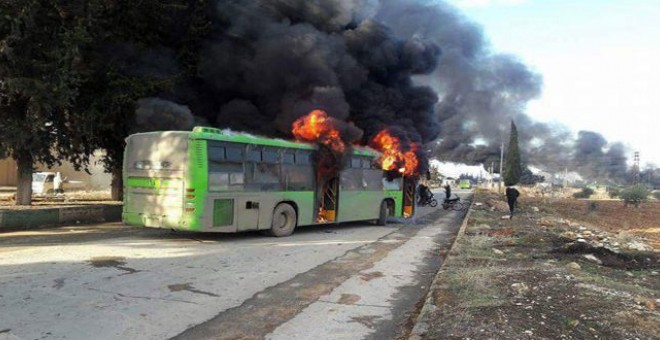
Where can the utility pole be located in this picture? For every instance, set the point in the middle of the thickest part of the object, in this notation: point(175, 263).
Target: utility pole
point(635, 169)
point(492, 167)
point(499, 184)
point(565, 178)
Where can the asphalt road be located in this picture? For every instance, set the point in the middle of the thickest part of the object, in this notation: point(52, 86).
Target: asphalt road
point(109, 281)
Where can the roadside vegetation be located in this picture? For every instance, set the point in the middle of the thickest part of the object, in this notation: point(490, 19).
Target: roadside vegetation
point(560, 269)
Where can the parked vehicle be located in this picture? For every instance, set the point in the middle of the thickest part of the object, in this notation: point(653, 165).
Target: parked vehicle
point(43, 183)
point(465, 184)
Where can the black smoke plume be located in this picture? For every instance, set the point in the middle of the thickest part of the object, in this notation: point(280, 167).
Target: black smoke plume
point(417, 67)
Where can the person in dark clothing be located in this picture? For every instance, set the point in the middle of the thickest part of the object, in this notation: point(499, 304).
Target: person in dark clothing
point(511, 197)
point(447, 192)
point(424, 194)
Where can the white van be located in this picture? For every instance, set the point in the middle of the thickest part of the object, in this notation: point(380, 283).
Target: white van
point(43, 183)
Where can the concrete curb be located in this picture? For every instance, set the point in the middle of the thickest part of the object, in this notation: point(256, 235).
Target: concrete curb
point(12, 220)
point(421, 324)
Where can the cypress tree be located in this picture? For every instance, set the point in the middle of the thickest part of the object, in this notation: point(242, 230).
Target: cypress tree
point(513, 169)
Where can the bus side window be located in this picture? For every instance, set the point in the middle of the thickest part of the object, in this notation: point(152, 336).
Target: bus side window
point(254, 154)
point(303, 157)
point(270, 156)
point(234, 153)
point(216, 153)
point(373, 179)
point(287, 157)
point(355, 163)
point(366, 163)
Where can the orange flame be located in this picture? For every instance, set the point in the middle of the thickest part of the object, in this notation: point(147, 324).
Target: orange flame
point(317, 127)
point(392, 157)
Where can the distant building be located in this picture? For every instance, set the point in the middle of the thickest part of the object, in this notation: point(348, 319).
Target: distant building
point(98, 179)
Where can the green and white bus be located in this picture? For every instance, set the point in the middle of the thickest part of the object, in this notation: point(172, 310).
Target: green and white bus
point(214, 180)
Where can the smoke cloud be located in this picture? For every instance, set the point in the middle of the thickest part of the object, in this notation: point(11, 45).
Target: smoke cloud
point(418, 68)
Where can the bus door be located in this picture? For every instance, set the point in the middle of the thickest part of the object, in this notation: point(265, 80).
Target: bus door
point(408, 197)
point(328, 201)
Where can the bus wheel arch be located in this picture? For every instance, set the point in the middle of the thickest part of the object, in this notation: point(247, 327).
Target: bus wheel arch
point(285, 219)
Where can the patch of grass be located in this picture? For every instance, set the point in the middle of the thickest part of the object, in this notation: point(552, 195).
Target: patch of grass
point(588, 274)
point(474, 286)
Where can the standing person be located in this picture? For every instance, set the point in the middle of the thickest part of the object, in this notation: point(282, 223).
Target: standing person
point(511, 197)
point(57, 183)
point(447, 192)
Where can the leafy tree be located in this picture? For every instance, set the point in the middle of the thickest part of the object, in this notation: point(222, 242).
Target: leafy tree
point(40, 55)
point(613, 192)
point(528, 178)
point(513, 167)
point(128, 35)
point(635, 194)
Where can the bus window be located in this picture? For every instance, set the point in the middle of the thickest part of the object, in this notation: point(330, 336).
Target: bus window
point(355, 163)
point(303, 157)
point(254, 155)
point(351, 179)
point(218, 181)
point(267, 177)
point(216, 153)
point(373, 179)
point(234, 153)
point(366, 163)
point(270, 156)
point(287, 157)
point(236, 178)
point(395, 184)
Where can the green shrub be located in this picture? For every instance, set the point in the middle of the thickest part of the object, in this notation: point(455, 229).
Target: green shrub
point(613, 192)
point(585, 193)
point(634, 194)
point(656, 194)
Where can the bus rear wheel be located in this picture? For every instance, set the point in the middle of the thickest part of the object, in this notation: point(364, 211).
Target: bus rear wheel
point(284, 220)
point(384, 212)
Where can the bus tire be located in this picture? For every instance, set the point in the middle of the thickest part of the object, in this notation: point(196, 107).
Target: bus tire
point(384, 212)
point(284, 220)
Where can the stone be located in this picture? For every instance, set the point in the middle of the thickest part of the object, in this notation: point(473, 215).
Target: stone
point(546, 222)
point(506, 217)
point(498, 252)
point(569, 235)
point(637, 245)
point(581, 240)
point(520, 288)
point(592, 258)
point(573, 265)
point(535, 209)
point(581, 228)
point(478, 204)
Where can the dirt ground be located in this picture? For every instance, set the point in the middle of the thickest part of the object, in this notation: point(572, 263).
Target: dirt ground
point(557, 270)
point(60, 200)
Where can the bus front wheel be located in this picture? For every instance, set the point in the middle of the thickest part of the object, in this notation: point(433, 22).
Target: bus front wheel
point(384, 212)
point(284, 220)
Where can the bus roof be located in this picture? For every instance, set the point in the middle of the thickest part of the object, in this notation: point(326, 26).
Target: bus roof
point(209, 133)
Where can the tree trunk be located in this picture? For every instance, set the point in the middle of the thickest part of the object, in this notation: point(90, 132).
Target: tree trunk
point(25, 167)
point(117, 184)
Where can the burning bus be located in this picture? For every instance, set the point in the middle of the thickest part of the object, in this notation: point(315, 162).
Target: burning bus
point(215, 180)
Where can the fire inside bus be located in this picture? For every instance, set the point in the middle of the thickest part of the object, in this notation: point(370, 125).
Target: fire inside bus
point(213, 180)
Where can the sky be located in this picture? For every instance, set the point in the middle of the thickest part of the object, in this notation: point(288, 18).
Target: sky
point(600, 61)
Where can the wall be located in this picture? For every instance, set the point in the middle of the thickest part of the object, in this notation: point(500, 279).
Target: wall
point(97, 180)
